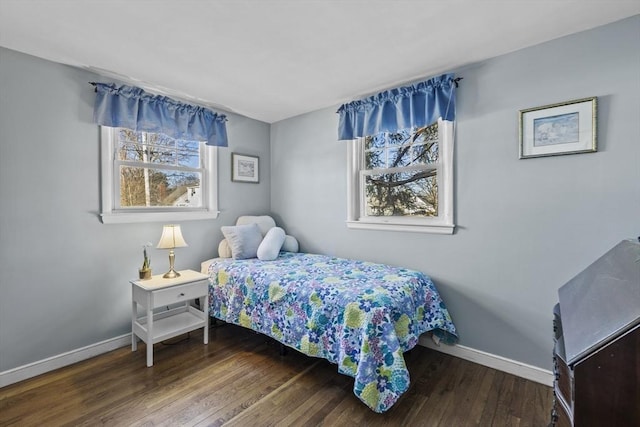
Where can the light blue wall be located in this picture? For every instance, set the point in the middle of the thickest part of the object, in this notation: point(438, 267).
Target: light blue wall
point(525, 227)
point(64, 276)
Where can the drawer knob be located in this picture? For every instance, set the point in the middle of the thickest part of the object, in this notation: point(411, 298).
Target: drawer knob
point(181, 294)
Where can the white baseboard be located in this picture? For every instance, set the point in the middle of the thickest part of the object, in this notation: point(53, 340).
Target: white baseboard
point(61, 360)
point(500, 363)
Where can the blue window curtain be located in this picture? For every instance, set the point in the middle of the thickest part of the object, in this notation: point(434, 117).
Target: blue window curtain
point(133, 108)
point(417, 105)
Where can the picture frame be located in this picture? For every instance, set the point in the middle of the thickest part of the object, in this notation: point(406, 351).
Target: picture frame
point(557, 129)
point(245, 168)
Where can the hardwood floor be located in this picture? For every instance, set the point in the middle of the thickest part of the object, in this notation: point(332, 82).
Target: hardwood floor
point(240, 379)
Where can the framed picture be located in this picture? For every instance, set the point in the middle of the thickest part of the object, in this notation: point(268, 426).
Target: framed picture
point(564, 128)
point(244, 168)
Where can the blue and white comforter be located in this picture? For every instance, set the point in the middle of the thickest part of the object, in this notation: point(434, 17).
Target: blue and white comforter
point(359, 315)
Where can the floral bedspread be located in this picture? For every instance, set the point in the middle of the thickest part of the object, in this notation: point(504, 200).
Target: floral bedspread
point(359, 315)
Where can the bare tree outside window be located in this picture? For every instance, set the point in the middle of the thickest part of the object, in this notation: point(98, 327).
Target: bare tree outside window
point(401, 173)
point(158, 171)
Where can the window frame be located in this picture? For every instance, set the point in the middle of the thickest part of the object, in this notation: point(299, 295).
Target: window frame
point(110, 214)
point(442, 224)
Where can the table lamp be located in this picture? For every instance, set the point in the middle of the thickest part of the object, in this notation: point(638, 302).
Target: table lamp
point(171, 238)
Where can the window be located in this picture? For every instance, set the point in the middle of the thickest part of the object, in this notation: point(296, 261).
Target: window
point(403, 181)
point(153, 177)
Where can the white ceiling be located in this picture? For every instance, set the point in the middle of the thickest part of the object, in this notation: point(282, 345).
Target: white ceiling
point(274, 59)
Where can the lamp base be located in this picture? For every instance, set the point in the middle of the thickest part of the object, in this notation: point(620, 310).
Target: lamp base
point(171, 274)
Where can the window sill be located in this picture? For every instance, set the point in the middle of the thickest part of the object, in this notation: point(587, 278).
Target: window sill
point(413, 228)
point(126, 218)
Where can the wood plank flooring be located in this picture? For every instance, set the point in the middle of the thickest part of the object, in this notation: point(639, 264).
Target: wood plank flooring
point(240, 379)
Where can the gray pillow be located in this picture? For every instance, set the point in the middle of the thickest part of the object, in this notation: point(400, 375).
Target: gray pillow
point(243, 240)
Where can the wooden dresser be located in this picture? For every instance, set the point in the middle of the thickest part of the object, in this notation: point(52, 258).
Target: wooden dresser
point(597, 343)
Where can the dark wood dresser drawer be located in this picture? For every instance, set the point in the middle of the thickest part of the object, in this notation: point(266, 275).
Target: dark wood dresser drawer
point(563, 380)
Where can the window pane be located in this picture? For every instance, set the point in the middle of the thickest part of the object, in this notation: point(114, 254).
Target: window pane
point(144, 187)
point(161, 148)
point(399, 157)
point(412, 193)
point(400, 137)
point(188, 153)
point(375, 159)
point(404, 148)
point(425, 153)
point(157, 148)
point(129, 147)
point(375, 141)
point(425, 144)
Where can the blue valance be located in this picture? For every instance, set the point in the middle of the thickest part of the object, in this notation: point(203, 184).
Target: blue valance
point(417, 105)
point(133, 108)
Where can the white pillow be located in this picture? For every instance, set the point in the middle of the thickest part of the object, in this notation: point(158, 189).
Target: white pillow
point(243, 240)
point(290, 244)
point(224, 251)
point(271, 244)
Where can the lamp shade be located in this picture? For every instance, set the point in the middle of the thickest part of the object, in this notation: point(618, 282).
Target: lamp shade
point(171, 238)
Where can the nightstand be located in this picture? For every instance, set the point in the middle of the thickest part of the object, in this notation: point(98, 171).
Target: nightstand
point(159, 292)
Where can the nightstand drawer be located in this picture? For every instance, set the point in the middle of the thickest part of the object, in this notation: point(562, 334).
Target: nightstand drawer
point(180, 293)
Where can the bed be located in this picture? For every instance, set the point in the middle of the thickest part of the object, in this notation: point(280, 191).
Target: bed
point(358, 315)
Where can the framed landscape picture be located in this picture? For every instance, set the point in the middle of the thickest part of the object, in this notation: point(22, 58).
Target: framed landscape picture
point(245, 168)
point(564, 128)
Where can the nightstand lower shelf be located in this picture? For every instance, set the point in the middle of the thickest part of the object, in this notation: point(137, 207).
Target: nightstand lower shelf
point(170, 324)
